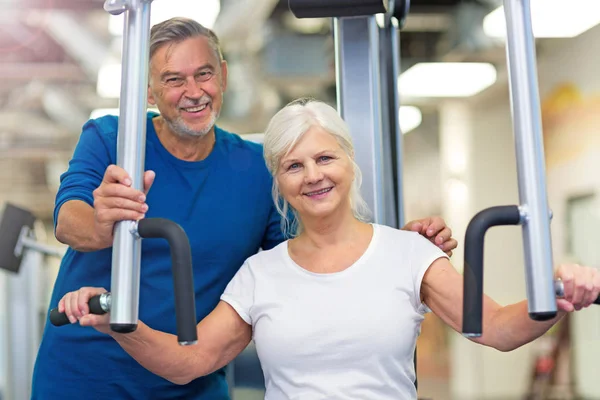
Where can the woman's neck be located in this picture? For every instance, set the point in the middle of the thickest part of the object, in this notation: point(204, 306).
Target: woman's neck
point(326, 232)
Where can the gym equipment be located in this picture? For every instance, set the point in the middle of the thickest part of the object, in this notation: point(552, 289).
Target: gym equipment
point(23, 258)
point(533, 213)
point(125, 273)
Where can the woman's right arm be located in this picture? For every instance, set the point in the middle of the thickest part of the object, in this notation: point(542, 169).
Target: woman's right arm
point(222, 335)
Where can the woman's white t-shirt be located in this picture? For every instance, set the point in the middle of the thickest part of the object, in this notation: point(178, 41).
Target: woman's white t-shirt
point(345, 335)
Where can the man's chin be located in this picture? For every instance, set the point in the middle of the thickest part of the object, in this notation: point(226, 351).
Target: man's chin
point(197, 130)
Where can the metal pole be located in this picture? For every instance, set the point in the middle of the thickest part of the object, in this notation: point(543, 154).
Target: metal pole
point(527, 127)
point(359, 102)
point(125, 277)
point(399, 135)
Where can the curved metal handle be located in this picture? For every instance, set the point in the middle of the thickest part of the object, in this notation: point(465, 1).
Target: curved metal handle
point(473, 267)
point(183, 277)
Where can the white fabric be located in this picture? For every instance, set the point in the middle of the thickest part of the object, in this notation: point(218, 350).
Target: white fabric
point(345, 335)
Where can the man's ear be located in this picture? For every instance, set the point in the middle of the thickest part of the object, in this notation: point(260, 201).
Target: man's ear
point(151, 97)
point(223, 75)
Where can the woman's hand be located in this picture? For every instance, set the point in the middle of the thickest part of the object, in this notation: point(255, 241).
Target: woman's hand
point(581, 286)
point(75, 306)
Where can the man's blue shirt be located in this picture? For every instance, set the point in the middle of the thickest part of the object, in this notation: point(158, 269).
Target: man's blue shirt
point(224, 205)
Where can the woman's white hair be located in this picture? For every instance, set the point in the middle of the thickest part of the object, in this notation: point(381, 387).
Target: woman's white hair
point(283, 132)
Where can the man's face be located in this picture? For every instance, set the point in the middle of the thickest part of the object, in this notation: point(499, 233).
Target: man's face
point(187, 82)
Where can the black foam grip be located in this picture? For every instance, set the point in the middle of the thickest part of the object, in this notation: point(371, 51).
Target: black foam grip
point(60, 319)
point(183, 278)
point(473, 266)
point(336, 8)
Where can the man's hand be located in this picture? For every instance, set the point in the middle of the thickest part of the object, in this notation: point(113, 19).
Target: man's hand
point(434, 229)
point(115, 200)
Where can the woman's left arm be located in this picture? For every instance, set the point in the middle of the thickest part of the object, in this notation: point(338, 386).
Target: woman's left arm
point(505, 328)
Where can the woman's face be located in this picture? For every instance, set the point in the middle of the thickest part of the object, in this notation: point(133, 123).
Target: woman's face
point(315, 177)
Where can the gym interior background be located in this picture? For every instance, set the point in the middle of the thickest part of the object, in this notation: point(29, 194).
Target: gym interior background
point(59, 65)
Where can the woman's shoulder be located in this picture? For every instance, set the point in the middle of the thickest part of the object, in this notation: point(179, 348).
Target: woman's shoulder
point(388, 232)
point(266, 258)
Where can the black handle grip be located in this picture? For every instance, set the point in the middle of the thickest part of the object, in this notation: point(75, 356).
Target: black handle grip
point(336, 8)
point(183, 278)
point(95, 304)
point(473, 267)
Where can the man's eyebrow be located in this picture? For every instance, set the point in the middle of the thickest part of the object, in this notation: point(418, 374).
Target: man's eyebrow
point(175, 73)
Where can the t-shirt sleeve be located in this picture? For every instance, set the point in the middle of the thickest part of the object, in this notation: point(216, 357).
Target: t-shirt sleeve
point(239, 293)
point(86, 168)
point(423, 254)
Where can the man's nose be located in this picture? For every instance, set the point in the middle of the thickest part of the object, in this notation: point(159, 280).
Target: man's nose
point(193, 89)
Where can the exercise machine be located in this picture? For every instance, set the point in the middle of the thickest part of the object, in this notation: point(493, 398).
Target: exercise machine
point(22, 258)
point(533, 214)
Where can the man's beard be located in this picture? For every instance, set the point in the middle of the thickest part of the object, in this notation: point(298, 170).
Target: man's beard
point(179, 127)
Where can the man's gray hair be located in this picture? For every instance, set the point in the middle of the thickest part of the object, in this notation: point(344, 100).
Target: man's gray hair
point(176, 30)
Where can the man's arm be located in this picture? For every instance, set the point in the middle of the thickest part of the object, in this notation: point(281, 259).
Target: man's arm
point(75, 226)
point(86, 228)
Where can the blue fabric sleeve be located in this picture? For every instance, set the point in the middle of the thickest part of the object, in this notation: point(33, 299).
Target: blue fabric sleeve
point(86, 168)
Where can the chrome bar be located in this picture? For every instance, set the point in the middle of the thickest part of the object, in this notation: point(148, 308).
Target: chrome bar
point(526, 114)
point(125, 277)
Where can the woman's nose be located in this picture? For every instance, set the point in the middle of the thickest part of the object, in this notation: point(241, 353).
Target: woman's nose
point(312, 173)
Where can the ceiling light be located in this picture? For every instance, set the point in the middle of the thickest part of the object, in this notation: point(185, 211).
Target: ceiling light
point(446, 79)
point(410, 117)
point(205, 12)
point(550, 18)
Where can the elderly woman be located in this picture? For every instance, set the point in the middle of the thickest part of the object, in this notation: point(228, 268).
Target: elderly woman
point(335, 311)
